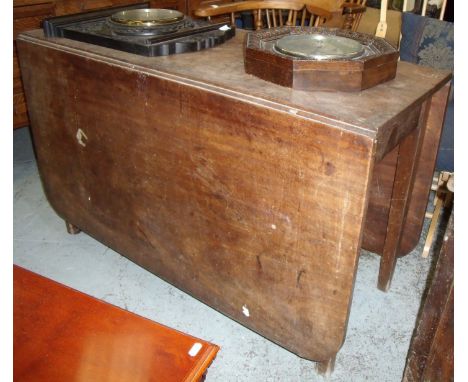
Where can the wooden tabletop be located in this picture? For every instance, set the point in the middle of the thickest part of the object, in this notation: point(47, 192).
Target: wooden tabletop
point(63, 335)
point(221, 69)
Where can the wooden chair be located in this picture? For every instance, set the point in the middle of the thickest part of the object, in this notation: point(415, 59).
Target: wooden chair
point(315, 16)
point(443, 198)
point(350, 11)
point(353, 11)
point(270, 13)
point(424, 8)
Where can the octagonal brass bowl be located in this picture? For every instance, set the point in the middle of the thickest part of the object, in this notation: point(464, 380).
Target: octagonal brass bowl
point(319, 47)
point(148, 17)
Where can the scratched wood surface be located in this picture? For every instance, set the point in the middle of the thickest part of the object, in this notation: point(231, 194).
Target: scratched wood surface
point(248, 195)
point(241, 208)
point(386, 113)
point(223, 68)
point(61, 335)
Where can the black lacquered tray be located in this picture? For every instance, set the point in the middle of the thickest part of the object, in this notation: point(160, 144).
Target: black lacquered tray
point(150, 38)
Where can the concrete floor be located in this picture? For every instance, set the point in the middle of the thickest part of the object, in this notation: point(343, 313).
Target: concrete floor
point(379, 329)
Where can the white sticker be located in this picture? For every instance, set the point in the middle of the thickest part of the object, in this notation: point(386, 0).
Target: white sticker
point(195, 349)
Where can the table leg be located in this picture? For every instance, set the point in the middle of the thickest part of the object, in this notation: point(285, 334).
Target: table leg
point(325, 368)
point(72, 229)
point(408, 156)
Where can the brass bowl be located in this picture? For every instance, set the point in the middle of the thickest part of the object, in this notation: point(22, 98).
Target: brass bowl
point(149, 17)
point(319, 47)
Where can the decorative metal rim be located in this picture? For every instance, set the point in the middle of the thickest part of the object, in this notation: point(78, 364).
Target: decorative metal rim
point(148, 17)
point(319, 47)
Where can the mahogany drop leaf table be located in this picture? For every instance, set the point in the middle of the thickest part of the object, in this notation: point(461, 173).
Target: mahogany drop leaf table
point(252, 197)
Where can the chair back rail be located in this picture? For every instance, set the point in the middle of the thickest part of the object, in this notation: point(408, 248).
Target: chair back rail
point(274, 12)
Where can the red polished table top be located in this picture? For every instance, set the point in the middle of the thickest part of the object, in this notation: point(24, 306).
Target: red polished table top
point(61, 334)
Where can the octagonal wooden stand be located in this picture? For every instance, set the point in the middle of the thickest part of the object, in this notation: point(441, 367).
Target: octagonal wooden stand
point(378, 63)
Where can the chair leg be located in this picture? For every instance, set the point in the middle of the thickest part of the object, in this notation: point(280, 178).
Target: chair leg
point(72, 229)
point(443, 198)
point(432, 228)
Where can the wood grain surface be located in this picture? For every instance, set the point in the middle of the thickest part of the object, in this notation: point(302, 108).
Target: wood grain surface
point(431, 353)
point(25, 17)
point(61, 334)
point(386, 113)
point(247, 195)
point(409, 151)
point(383, 179)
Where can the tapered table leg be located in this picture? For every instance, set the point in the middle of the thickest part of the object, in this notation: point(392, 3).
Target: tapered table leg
point(326, 367)
point(72, 229)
